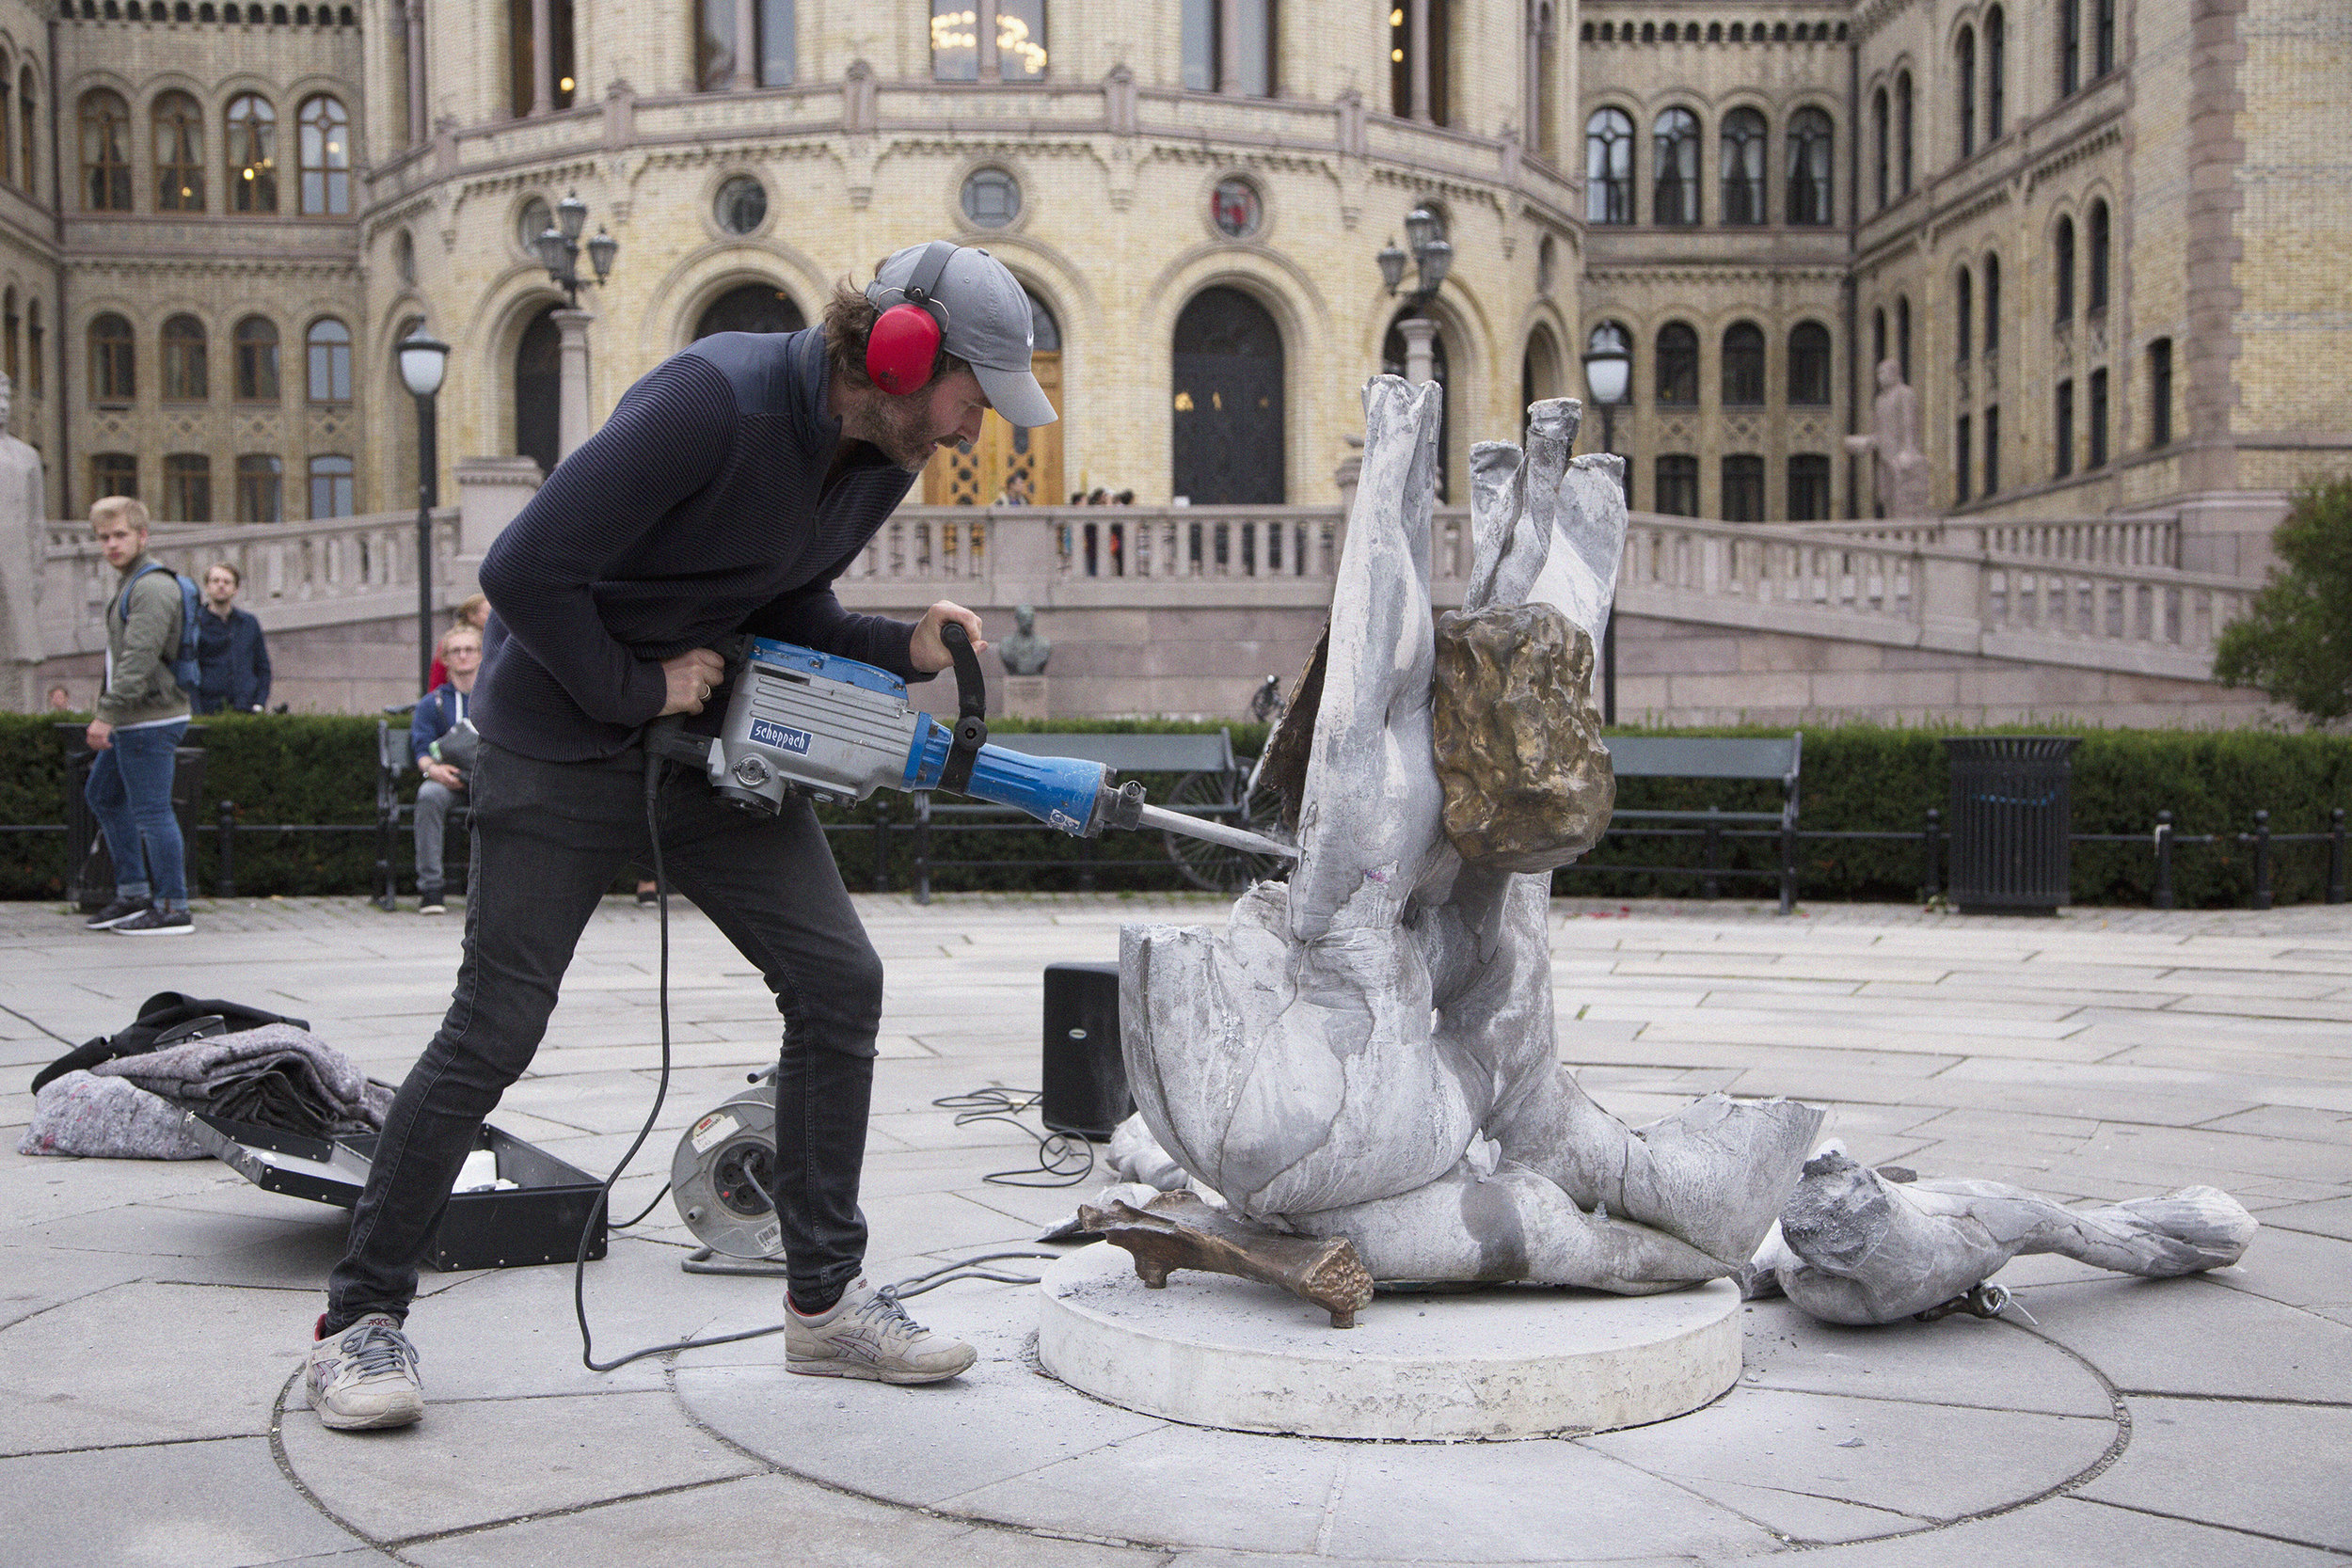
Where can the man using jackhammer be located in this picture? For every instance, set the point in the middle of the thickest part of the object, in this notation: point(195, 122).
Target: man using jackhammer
point(730, 486)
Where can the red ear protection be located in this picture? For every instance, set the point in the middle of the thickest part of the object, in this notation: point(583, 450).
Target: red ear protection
point(903, 348)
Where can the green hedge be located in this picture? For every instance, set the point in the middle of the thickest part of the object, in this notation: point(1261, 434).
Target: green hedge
point(1857, 778)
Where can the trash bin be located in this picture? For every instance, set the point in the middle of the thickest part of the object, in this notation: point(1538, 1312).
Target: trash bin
point(2012, 809)
point(90, 871)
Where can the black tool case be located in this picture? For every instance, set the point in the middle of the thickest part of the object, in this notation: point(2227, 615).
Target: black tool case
point(538, 1221)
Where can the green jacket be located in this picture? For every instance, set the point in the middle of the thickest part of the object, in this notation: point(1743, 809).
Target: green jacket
point(139, 687)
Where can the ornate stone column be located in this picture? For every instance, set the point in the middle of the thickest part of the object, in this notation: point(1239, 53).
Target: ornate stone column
point(420, 129)
point(746, 45)
point(542, 57)
point(571, 403)
point(1420, 332)
point(1420, 44)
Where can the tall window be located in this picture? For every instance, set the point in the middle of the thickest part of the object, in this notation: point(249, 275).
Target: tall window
point(1992, 307)
point(26, 106)
point(330, 487)
point(1809, 364)
point(770, 62)
point(113, 360)
point(36, 357)
point(257, 359)
point(2095, 272)
point(1809, 166)
point(1744, 364)
point(1963, 312)
point(1962, 461)
point(2103, 38)
point(988, 40)
point(1902, 338)
point(1208, 66)
point(326, 136)
point(1903, 117)
point(1678, 366)
point(252, 155)
point(329, 379)
point(1808, 487)
point(1992, 451)
point(8, 122)
point(1675, 138)
point(1877, 338)
point(1406, 76)
point(187, 488)
point(8, 360)
point(1964, 69)
point(522, 56)
point(1743, 488)
point(2069, 46)
point(105, 152)
point(179, 154)
point(1743, 166)
point(260, 489)
point(1677, 485)
point(2159, 393)
point(2095, 419)
point(114, 473)
point(1608, 167)
point(2063, 436)
point(1995, 68)
point(2062, 264)
point(1878, 125)
point(185, 377)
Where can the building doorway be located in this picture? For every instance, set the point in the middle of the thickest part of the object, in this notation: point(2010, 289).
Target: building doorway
point(977, 474)
point(751, 308)
point(1228, 362)
point(538, 373)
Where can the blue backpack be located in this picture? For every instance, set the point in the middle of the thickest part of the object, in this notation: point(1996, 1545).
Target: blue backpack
point(184, 664)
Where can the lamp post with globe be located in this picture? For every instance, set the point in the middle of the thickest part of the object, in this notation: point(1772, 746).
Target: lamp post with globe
point(423, 362)
point(559, 247)
point(1608, 368)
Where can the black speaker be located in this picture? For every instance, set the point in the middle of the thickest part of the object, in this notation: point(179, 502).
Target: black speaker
point(1085, 1077)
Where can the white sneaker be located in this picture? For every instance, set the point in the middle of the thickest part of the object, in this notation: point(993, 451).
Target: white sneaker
point(366, 1377)
point(868, 1335)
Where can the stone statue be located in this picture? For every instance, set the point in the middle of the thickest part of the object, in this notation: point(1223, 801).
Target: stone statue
point(1367, 1051)
point(1025, 652)
point(1901, 469)
point(1857, 1246)
point(23, 551)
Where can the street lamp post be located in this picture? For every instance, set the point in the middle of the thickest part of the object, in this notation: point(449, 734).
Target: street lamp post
point(1432, 258)
point(1608, 365)
point(559, 247)
point(423, 361)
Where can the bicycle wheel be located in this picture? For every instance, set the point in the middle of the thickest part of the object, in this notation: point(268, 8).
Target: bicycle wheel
point(1214, 867)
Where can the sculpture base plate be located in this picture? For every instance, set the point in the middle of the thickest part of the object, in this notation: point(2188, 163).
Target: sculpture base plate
point(1503, 1362)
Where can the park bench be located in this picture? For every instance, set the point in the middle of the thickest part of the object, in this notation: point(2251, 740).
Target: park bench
point(391, 761)
point(1770, 759)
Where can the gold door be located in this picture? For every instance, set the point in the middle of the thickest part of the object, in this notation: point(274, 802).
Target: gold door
point(975, 475)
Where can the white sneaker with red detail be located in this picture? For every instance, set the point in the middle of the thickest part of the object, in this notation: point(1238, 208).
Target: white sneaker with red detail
point(365, 1376)
point(867, 1334)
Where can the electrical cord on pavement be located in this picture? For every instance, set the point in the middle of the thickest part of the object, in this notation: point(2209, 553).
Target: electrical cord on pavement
point(1062, 1159)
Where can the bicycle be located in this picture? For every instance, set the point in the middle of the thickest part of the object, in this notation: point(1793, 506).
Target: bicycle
point(1254, 805)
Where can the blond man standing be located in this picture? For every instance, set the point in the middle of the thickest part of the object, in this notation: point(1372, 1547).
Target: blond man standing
point(142, 713)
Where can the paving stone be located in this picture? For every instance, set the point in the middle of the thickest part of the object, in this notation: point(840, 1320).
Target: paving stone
point(173, 1505)
point(1799, 1516)
point(2070, 1532)
point(2191, 1337)
point(2332, 1217)
point(1958, 1360)
point(2275, 1469)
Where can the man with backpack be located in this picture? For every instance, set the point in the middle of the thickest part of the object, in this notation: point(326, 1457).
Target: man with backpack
point(142, 713)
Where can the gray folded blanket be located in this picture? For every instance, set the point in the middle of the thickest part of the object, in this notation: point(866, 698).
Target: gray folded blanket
point(108, 1120)
point(275, 1076)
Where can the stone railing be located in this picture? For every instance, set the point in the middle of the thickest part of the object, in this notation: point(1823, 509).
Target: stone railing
point(2100, 541)
point(297, 575)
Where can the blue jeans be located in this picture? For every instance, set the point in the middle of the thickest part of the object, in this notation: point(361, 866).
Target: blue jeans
point(130, 793)
point(433, 803)
point(548, 839)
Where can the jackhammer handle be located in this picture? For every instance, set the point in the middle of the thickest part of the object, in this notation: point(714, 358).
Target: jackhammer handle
point(971, 688)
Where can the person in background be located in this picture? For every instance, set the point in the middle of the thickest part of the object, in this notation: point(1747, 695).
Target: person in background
point(60, 700)
point(1016, 490)
point(441, 711)
point(142, 713)
point(473, 611)
point(232, 658)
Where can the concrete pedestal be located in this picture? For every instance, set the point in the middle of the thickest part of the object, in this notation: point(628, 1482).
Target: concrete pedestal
point(1027, 697)
point(1213, 1350)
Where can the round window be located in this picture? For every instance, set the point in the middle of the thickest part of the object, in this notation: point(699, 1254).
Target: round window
point(742, 204)
point(537, 218)
point(992, 199)
point(1236, 208)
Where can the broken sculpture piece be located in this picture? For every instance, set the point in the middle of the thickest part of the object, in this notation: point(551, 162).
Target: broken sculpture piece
point(1367, 1051)
point(1177, 1230)
point(1856, 1247)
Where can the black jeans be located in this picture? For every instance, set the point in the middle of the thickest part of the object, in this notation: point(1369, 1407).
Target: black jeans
point(548, 839)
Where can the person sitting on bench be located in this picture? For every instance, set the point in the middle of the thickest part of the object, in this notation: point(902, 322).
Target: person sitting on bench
point(441, 711)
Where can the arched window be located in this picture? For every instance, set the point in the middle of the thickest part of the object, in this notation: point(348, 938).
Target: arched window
point(331, 487)
point(2096, 268)
point(1808, 487)
point(260, 489)
point(1879, 123)
point(1743, 488)
point(1877, 338)
point(1902, 338)
point(329, 345)
point(186, 377)
point(1995, 66)
point(325, 153)
point(1903, 117)
point(1963, 312)
point(1678, 366)
point(252, 155)
point(1676, 477)
point(538, 377)
point(105, 152)
point(1743, 167)
point(1964, 70)
point(179, 153)
point(187, 487)
point(1608, 167)
point(113, 360)
point(1809, 188)
point(1539, 368)
point(2069, 46)
point(2102, 41)
point(7, 119)
point(28, 107)
point(1992, 307)
point(751, 308)
point(257, 359)
point(1744, 364)
point(721, 65)
point(527, 94)
point(9, 359)
point(2062, 268)
point(1226, 362)
point(1809, 364)
point(1674, 196)
point(35, 355)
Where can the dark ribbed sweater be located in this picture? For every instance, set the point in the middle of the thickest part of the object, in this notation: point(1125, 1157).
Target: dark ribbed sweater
point(701, 509)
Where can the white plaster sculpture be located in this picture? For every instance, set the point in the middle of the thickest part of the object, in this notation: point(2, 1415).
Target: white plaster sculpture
point(1854, 1248)
point(1904, 488)
point(23, 548)
point(1367, 1051)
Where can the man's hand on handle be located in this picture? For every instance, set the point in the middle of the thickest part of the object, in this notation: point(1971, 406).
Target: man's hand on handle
point(690, 678)
point(926, 652)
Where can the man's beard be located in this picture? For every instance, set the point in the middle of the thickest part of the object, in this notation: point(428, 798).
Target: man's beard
point(906, 438)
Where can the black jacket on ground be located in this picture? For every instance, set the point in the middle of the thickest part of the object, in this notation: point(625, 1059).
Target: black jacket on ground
point(698, 511)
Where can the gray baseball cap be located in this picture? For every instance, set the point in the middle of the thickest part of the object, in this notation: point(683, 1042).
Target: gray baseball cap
point(986, 323)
